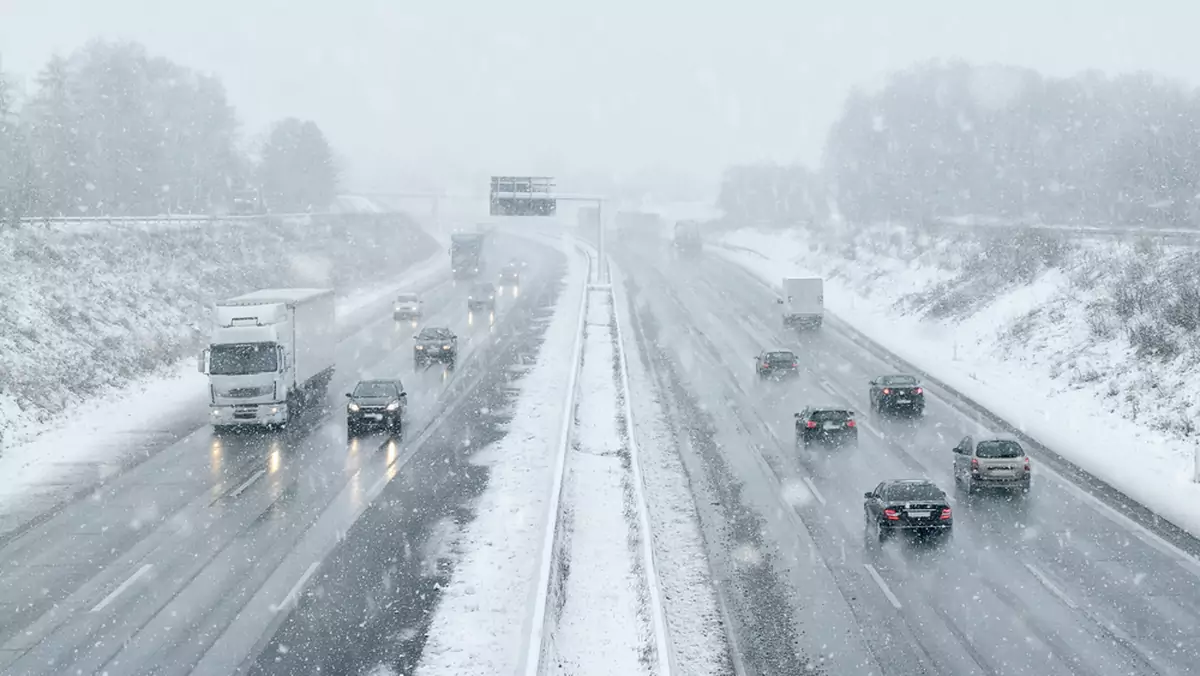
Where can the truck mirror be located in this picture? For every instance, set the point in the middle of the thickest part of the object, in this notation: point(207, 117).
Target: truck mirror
point(202, 362)
point(796, 416)
point(404, 395)
point(867, 495)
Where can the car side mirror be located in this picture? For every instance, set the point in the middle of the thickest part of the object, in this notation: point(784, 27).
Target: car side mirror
point(868, 495)
point(349, 396)
point(404, 395)
point(796, 416)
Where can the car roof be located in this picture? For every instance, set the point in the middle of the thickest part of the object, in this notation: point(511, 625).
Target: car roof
point(910, 482)
point(1002, 436)
point(778, 350)
point(379, 381)
point(437, 330)
point(905, 376)
point(828, 409)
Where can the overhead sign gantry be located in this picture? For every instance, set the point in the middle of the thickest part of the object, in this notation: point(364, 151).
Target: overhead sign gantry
point(523, 196)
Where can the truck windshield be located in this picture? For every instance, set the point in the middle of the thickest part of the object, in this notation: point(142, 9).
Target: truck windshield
point(242, 359)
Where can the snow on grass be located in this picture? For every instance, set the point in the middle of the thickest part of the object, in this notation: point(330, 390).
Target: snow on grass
point(693, 617)
point(89, 310)
point(479, 625)
point(1032, 331)
point(600, 536)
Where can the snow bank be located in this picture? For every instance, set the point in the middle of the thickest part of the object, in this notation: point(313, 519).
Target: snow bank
point(89, 310)
point(478, 626)
point(1040, 332)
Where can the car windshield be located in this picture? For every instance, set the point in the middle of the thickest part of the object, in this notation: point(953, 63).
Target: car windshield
point(913, 491)
point(483, 289)
point(781, 356)
point(406, 298)
point(898, 380)
point(821, 416)
point(999, 448)
point(375, 389)
point(243, 359)
point(435, 334)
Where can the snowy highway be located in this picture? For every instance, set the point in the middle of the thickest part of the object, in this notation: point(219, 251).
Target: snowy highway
point(1060, 583)
point(170, 558)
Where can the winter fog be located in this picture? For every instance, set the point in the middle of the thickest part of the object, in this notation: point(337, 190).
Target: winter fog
point(536, 338)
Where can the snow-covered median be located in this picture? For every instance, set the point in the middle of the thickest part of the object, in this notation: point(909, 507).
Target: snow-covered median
point(604, 623)
point(479, 626)
point(1033, 332)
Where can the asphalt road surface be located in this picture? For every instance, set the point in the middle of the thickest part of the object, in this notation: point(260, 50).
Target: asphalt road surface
point(1057, 583)
point(169, 561)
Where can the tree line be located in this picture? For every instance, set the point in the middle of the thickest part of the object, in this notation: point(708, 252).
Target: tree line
point(110, 130)
point(943, 140)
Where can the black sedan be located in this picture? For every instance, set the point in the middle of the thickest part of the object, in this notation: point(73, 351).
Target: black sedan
point(376, 403)
point(916, 506)
point(897, 394)
point(833, 426)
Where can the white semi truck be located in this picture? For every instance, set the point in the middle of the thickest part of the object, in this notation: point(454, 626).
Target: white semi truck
point(271, 355)
point(803, 302)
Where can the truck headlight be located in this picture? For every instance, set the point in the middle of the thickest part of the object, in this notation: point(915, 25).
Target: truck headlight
point(393, 406)
point(445, 347)
point(216, 412)
point(420, 347)
point(352, 407)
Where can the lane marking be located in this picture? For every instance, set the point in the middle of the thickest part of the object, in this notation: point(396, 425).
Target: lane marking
point(1053, 588)
point(246, 484)
point(883, 586)
point(816, 493)
point(1155, 541)
point(294, 593)
point(112, 596)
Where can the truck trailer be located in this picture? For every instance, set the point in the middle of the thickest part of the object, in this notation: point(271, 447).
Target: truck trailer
point(803, 302)
point(466, 254)
point(271, 355)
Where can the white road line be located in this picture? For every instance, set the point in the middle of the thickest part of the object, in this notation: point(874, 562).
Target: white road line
point(1184, 559)
point(294, 593)
point(887, 591)
point(1041, 577)
point(246, 484)
point(123, 586)
point(816, 493)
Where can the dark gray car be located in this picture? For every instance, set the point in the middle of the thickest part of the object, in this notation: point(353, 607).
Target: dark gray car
point(482, 296)
point(376, 403)
point(435, 344)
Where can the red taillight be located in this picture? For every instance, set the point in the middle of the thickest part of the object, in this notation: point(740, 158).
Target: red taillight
point(945, 513)
point(887, 390)
point(974, 464)
point(891, 514)
point(918, 391)
point(1026, 463)
point(849, 423)
point(810, 424)
point(795, 364)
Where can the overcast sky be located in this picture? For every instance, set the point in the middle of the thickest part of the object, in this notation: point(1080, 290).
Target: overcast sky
point(432, 87)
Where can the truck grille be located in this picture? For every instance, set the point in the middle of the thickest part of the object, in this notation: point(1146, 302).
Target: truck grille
point(245, 411)
point(246, 392)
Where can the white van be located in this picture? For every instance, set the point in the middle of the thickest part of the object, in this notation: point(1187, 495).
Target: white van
point(408, 306)
point(803, 302)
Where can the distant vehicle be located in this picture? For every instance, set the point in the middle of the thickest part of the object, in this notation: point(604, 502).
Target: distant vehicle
point(270, 356)
point(466, 254)
point(991, 462)
point(482, 295)
point(776, 363)
point(897, 394)
point(407, 306)
point(376, 403)
point(910, 505)
point(510, 275)
point(803, 302)
point(435, 344)
point(834, 426)
point(687, 238)
point(520, 263)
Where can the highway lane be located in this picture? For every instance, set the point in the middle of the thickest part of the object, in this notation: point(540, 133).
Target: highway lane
point(152, 568)
point(1049, 585)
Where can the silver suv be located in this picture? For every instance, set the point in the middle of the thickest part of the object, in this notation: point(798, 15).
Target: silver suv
point(991, 462)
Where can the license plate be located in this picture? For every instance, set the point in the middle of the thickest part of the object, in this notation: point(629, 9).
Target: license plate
point(375, 416)
point(904, 401)
point(1002, 472)
point(920, 514)
point(832, 426)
